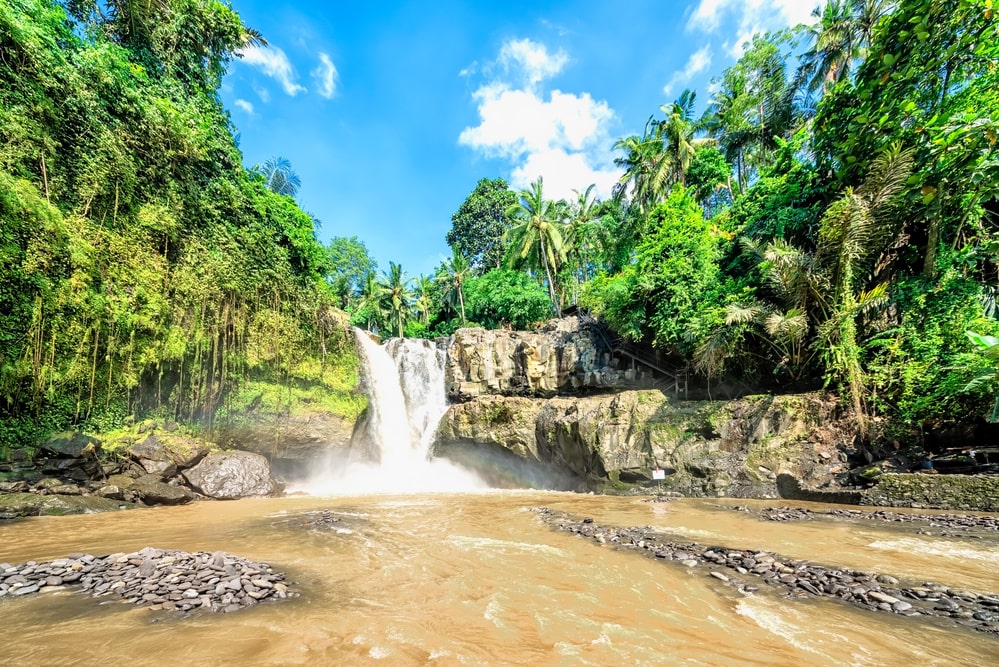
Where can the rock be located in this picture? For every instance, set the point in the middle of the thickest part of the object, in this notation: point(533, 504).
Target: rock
point(72, 445)
point(15, 505)
point(66, 490)
point(154, 492)
point(233, 474)
point(566, 358)
point(164, 454)
point(110, 491)
point(299, 437)
point(610, 442)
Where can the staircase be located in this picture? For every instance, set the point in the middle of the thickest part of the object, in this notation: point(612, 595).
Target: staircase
point(670, 378)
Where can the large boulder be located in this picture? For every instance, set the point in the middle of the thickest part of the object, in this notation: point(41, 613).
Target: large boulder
point(567, 357)
point(732, 448)
point(72, 445)
point(297, 437)
point(164, 454)
point(233, 474)
point(152, 491)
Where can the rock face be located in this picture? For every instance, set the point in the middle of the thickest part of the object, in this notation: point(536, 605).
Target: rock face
point(231, 475)
point(567, 357)
point(716, 448)
point(290, 437)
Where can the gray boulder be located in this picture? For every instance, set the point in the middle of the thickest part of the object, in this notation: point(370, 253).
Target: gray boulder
point(72, 445)
point(152, 491)
point(163, 453)
point(233, 474)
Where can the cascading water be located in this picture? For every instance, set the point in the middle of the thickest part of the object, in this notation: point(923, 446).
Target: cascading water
point(404, 381)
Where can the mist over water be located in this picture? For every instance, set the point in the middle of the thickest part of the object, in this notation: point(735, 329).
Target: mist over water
point(390, 453)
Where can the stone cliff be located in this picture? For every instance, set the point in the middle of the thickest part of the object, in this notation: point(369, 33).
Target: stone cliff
point(616, 441)
point(567, 356)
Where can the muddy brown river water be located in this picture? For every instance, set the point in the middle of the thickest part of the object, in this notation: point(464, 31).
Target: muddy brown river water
point(478, 579)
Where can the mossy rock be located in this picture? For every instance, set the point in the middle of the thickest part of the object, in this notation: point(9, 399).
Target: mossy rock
point(15, 505)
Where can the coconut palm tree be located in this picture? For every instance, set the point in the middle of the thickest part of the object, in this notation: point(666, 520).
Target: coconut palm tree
point(677, 133)
point(839, 38)
point(646, 167)
point(424, 298)
point(453, 273)
point(396, 296)
point(536, 237)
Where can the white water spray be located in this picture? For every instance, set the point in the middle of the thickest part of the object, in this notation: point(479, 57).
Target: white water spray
point(404, 380)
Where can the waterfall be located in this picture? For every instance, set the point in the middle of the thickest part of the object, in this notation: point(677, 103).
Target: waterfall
point(390, 450)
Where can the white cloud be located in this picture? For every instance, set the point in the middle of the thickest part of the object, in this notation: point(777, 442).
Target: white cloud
point(325, 76)
point(532, 59)
point(699, 61)
point(245, 106)
point(562, 137)
point(275, 64)
point(750, 16)
point(706, 15)
point(262, 93)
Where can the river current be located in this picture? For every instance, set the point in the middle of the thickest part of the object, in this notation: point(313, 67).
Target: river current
point(478, 579)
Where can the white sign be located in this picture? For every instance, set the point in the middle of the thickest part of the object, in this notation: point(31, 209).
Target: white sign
point(658, 473)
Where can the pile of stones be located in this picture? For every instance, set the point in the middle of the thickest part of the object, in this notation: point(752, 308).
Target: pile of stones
point(162, 579)
point(744, 569)
point(944, 521)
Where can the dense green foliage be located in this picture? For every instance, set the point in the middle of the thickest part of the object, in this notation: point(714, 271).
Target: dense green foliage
point(144, 270)
point(829, 220)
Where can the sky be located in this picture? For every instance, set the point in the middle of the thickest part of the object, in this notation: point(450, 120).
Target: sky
point(391, 112)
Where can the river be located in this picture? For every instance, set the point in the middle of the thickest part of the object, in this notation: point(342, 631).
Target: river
point(479, 579)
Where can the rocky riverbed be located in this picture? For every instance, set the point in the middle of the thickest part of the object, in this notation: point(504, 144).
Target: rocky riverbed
point(944, 525)
point(169, 580)
point(747, 570)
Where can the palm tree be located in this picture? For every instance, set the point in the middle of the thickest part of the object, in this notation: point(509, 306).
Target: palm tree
point(579, 237)
point(370, 302)
point(424, 299)
point(279, 176)
point(396, 296)
point(677, 133)
point(839, 38)
point(646, 167)
point(453, 273)
point(536, 237)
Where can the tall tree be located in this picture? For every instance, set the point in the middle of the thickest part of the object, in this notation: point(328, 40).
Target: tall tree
point(478, 225)
point(351, 264)
point(536, 237)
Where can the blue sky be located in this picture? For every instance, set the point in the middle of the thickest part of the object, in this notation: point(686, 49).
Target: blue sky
point(390, 112)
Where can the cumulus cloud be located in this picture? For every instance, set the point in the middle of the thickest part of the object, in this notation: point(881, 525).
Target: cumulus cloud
point(325, 76)
point(245, 106)
point(560, 136)
point(273, 62)
point(532, 60)
point(699, 61)
point(750, 17)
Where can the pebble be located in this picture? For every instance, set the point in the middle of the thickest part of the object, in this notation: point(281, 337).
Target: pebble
point(167, 580)
point(876, 592)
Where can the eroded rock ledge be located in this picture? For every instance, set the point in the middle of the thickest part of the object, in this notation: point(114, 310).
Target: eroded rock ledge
point(169, 580)
point(612, 442)
point(743, 570)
